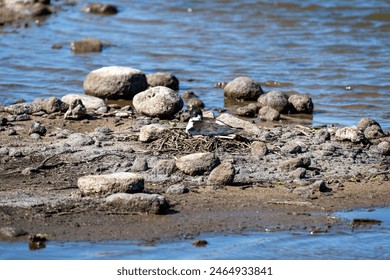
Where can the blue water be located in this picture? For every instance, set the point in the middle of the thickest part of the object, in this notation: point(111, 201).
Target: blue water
point(342, 243)
point(335, 51)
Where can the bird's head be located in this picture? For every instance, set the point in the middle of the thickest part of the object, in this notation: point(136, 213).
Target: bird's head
point(196, 115)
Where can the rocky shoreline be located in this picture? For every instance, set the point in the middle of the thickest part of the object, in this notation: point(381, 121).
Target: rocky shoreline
point(96, 172)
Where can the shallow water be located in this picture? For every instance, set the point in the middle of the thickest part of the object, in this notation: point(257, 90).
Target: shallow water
point(363, 242)
point(337, 52)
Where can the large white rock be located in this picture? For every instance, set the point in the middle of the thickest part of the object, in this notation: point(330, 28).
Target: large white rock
point(274, 99)
point(235, 122)
point(139, 202)
point(151, 132)
point(349, 133)
point(90, 102)
point(223, 174)
point(198, 163)
point(115, 82)
point(121, 182)
point(158, 101)
point(163, 79)
point(301, 104)
point(243, 88)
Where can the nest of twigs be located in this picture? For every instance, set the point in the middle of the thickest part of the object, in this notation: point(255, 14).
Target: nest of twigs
point(176, 140)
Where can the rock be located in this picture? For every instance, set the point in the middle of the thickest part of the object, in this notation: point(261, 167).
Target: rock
point(198, 163)
point(305, 191)
point(274, 99)
point(12, 232)
point(13, 10)
point(76, 111)
point(161, 102)
point(140, 164)
point(298, 173)
point(177, 189)
point(349, 133)
point(301, 104)
point(37, 128)
point(208, 114)
point(49, 105)
point(320, 186)
point(384, 148)
point(247, 111)
point(86, 45)
point(188, 95)
point(35, 136)
point(151, 132)
point(243, 88)
point(184, 117)
point(258, 149)
point(239, 123)
point(373, 132)
point(292, 164)
point(163, 79)
point(223, 174)
point(123, 182)
point(103, 9)
point(139, 202)
point(291, 148)
point(115, 82)
point(91, 103)
point(322, 135)
point(367, 122)
point(12, 131)
point(195, 103)
point(269, 114)
point(79, 140)
point(165, 167)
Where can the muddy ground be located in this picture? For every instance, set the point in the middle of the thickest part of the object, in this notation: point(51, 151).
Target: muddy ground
point(39, 191)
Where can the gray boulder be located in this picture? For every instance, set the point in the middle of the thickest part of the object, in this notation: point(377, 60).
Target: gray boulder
point(243, 88)
point(349, 133)
point(301, 104)
point(235, 122)
point(91, 103)
point(99, 8)
point(115, 82)
point(195, 103)
point(164, 167)
point(151, 132)
point(139, 202)
point(163, 79)
point(258, 149)
point(274, 99)
point(373, 132)
point(384, 148)
point(161, 102)
point(76, 111)
point(249, 110)
point(77, 140)
point(86, 45)
point(294, 163)
point(198, 163)
point(366, 122)
point(177, 189)
point(223, 174)
point(49, 105)
point(124, 182)
point(269, 114)
point(37, 128)
point(13, 10)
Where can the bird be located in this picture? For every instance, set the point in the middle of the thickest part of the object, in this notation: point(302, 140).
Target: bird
point(200, 126)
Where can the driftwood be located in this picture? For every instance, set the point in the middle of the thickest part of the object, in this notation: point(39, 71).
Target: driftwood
point(178, 141)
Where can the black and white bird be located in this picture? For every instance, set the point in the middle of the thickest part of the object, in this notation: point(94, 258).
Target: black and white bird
point(198, 125)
